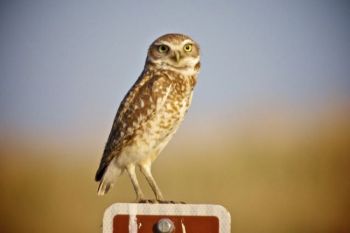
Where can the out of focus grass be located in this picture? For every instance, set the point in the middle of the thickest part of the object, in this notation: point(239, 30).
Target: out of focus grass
point(273, 175)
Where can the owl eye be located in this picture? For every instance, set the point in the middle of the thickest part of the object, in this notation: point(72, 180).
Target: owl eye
point(163, 48)
point(188, 47)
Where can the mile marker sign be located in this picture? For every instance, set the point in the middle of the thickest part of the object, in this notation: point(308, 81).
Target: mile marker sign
point(166, 218)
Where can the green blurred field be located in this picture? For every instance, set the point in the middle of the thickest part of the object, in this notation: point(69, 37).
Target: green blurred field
point(278, 175)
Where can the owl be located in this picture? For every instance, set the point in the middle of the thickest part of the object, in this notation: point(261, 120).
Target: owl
point(150, 113)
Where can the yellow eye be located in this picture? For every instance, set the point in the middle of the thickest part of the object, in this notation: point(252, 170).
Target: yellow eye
point(188, 47)
point(163, 48)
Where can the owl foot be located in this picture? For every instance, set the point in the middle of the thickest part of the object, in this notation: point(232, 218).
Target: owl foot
point(149, 201)
point(170, 202)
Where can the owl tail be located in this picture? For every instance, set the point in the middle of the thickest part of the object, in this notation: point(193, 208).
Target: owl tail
point(109, 178)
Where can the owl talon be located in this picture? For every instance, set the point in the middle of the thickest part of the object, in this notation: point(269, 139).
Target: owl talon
point(170, 202)
point(147, 201)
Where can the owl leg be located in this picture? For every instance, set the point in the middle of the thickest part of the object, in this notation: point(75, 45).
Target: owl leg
point(131, 171)
point(146, 171)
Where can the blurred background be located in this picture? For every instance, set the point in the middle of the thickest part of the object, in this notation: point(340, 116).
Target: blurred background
point(268, 134)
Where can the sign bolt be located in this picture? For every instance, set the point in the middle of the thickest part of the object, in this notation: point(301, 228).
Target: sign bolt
point(165, 225)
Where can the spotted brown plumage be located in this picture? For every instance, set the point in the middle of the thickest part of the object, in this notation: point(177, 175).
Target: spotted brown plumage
point(151, 112)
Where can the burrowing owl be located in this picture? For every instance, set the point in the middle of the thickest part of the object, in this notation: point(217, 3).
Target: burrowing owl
point(151, 112)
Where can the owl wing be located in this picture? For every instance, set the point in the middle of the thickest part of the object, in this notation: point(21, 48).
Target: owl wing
point(138, 106)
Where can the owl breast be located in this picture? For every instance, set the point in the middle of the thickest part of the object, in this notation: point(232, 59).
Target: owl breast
point(154, 134)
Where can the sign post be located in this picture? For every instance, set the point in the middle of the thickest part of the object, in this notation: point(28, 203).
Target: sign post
point(166, 218)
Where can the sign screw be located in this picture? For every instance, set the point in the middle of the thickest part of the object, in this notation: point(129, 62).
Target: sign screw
point(165, 225)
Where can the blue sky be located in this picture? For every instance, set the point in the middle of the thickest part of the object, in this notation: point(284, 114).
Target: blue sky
point(65, 65)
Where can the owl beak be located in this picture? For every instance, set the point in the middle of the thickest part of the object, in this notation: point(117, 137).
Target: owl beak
point(177, 56)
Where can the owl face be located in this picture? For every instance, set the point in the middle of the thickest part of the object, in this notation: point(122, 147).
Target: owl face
point(175, 52)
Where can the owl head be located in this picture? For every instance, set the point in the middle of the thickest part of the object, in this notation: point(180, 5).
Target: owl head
point(175, 52)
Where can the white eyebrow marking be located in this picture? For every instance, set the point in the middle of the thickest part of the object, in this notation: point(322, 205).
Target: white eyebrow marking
point(163, 42)
point(170, 44)
point(187, 41)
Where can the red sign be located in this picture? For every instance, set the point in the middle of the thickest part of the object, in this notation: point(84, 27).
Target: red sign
point(166, 218)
